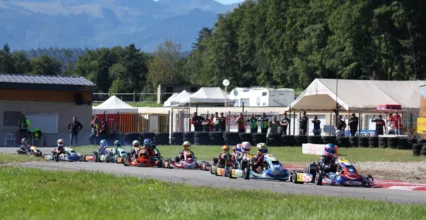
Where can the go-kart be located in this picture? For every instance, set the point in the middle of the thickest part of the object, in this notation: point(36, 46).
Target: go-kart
point(188, 163)
point(132, 160)
point(271, 169)
point(346, 175)
point(241, 167)
point(116, 155)
point(221, 166)
point(102, 155)
point(69, 155)
point(33, 151)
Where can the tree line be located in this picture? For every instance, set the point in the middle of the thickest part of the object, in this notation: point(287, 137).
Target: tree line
point(276, 43)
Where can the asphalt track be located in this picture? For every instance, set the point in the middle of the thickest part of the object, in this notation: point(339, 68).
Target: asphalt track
point(204, 178)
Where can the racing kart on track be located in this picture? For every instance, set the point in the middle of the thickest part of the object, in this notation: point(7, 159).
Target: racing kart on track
point(116, 155)
point(69, 155)
point(133, 160)
point(272, 169)
point(346, 175)
point(32, 152)
point(222, 166)
point(102, 156)
point(189, 163)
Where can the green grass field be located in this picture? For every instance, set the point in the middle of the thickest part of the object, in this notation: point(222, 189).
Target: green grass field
point(289, 154)
point(15, 158)
point(35, 194)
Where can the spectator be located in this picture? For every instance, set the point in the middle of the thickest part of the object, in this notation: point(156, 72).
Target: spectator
point(222, 122)
point(216, 122)
point(341, 126)
point(74, 127)
point(353, 124)
point(391, 123)
point(206, 123)
point(273, 126)
point(211, 128)
point(317, 126)
point(241, 124)
point(284, 124)
point(264, 123)
point(397, 120)
point(253, 123)
point(24, 124)
point(197, 121)
point(103, 131)
point(95, 124)
point(303, 124)
point(380, 125)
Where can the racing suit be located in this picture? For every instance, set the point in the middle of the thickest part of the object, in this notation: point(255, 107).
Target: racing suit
point(25, 148)
point(259, 160)
point(59, 150)
point(185, 155)
point(327, 164)
point(145, 155)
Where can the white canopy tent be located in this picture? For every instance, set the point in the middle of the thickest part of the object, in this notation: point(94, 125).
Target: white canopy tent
point(210, 95)
point(168, 102)
point(183, 97)
point(114, 105)
point(358, 95)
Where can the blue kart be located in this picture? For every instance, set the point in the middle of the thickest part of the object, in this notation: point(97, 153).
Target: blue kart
point(272, 169)
point(70, 155)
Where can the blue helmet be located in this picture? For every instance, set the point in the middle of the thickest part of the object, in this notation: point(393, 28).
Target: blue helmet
point(104, 143)
point(330, 150)
point(147, 141)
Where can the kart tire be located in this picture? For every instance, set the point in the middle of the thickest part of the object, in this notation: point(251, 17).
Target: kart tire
point(316, 139)
point(318, 179)
point(353, 140)
point(275, 140)
point(230, 173)
point(300, 140)
point(162, 138)
point(343, 141)
point(246, 173)
point(216, 138)
point(246, 137)
point(146, 135)
point(107, 159)
point(373, 142)
point(125, 162)
point(329, 140)
point(421, 141)
point(188, 136)
point(259, 138)
point(363, 142)
point(403, 143)
point(288, 140)
point(202, 138)
point(215, 161)
point(160, 164)
point(382, 142)
point(416, 149)
point(84, 158)
point(392, 142)
point(231, 138)
point(130, 137)
point(177, 138)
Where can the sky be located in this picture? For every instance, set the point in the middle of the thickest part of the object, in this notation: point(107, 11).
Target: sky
point(229, 1)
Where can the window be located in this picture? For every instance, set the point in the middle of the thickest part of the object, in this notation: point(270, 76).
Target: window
point(264, 93)
point(47, 123)
point(11, 118)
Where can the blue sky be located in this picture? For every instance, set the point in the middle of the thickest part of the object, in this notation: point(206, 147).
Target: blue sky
point(229, 1)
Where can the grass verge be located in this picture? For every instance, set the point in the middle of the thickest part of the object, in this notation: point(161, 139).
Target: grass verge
point(35, 194)
point(16, 158)
point(290, 154)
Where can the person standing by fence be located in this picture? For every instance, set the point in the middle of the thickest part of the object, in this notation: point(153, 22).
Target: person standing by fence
point(341, 126)
point(303, 124)
point(253, 123)
point(264, 123)
point(285, 122)
point(317, 126)
point(273, 126)
point(94, 125)
point(353, 124)
point(222, 122)
point(216, 122)
point(74, 127)
point(380, 125)
point(197, 122)
point(397, 120)
point(206, 123)
point(241, 124)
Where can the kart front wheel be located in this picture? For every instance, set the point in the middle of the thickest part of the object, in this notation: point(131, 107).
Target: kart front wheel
point(318, 179)
point(246, 173)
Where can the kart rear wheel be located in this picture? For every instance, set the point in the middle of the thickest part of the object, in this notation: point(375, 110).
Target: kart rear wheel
point(211, 170)
point(125, 162)
point(215, 161)
point(318, 179)
point(230, 173)
point(246, 173)
point(107, 159)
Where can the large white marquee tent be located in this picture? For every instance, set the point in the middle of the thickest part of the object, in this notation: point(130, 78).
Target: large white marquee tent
point(114, 105)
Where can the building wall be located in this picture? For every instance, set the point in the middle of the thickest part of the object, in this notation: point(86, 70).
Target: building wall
point(65, 111)
point(43, 96)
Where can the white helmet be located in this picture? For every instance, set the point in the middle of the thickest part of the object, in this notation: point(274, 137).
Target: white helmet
point(135, 142)
point(246, 146)
point(60, 143)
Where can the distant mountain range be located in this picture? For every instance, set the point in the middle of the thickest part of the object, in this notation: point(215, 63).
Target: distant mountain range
point(26, 24)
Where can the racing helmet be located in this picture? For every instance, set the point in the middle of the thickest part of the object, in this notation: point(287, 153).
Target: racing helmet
point(246, 147)
point(262, 148)
point(24, 141)
point(330, 150)
point(147, 141)
point(60, 143)
point(225, 148)
point(186, 145)
point(117, 143)
point(135, 143)
point(238, 148)
point(104, 143)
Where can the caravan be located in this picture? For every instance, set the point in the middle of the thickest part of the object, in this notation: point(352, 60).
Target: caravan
point(258, 96)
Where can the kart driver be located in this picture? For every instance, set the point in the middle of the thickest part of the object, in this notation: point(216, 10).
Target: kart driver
point(262, 150)
point(186, 153)
point(246, 147)
point(326, 162)
point(236, 151)
point(117, 144)
point(136, 149)
point(25, 147)
point(145, 153)
point(225, 152)
point(60, 149)
point(103, 146)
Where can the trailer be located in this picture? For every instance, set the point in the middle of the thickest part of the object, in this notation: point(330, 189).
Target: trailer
point(259, 96)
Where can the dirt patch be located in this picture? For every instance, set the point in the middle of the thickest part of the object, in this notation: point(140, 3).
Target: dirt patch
point(412, 172)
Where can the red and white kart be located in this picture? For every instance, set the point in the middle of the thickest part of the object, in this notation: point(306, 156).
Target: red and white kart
point(187, 163)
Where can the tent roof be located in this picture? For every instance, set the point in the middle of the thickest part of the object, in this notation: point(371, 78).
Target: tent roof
point(114, 105)
point(183, 97)
point(209, 95)
point(169, 100)
point(357, 95)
